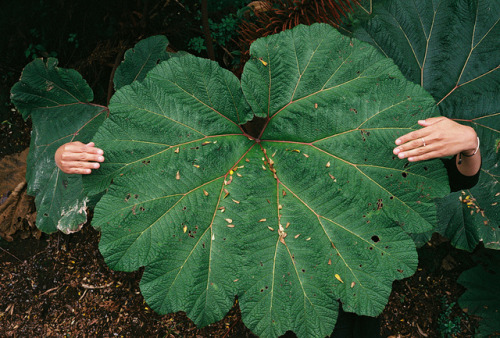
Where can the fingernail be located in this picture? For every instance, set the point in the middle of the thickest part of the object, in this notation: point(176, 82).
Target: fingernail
point(96, 165)
point(100, 152)
point(396, 151)
point(401, 155)
point(421, 121)
point(398, 142)
point(410, 159)
point(100, 158)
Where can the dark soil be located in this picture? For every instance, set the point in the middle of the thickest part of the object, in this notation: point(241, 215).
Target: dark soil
point(59, 285)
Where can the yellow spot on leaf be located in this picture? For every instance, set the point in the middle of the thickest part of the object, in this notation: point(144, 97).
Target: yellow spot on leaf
point(338, 278)
point(185, 228)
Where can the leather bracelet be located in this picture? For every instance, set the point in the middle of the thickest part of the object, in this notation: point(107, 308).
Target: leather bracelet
point(474, 153)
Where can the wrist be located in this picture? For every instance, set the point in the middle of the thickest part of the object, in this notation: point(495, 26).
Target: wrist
point(471, 151)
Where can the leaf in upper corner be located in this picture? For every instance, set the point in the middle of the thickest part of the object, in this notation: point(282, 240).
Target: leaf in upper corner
point(138, 61)
point(212, 213)
point(451, 48)
point(58, 102)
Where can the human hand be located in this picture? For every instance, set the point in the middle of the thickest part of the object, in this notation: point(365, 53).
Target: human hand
point(78, 158)
point(440, 137)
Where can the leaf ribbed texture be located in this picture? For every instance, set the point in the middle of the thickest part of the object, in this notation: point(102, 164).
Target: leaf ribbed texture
point(313, 210)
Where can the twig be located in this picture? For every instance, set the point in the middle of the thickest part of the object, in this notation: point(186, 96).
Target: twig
point(206, 29)
point(112, 75)
point(231, 328)
point(50, 290)
point(91, 287)
point(8, 253)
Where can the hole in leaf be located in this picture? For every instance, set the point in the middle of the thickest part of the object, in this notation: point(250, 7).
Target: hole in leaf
point(375, 239)
point(404, 174)
point(46, 215)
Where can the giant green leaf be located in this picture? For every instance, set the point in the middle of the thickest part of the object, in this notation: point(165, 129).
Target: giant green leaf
point(314, 209)
point(59, 104)
point(452, 49)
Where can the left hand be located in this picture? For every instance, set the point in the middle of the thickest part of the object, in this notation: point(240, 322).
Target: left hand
point(440, 137)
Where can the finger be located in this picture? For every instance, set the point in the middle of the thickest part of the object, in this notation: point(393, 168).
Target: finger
point(417, 152)
point(78, 171)
point(76, 147)
point(430, 121)
point(71, 165)
point(423, 157)
point(84, 157)
point(419, 143)
point(414, 135)
point(92, 149)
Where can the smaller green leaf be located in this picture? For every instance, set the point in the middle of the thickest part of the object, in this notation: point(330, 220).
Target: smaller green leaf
point(58, 102)
point(138, 61)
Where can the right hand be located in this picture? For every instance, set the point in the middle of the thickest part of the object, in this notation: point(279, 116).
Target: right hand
point(78, 158)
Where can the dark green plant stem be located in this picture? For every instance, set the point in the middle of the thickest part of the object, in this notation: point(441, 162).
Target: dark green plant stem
point(206, 30)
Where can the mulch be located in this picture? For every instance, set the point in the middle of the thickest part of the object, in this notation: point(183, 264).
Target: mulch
point(59, 285)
